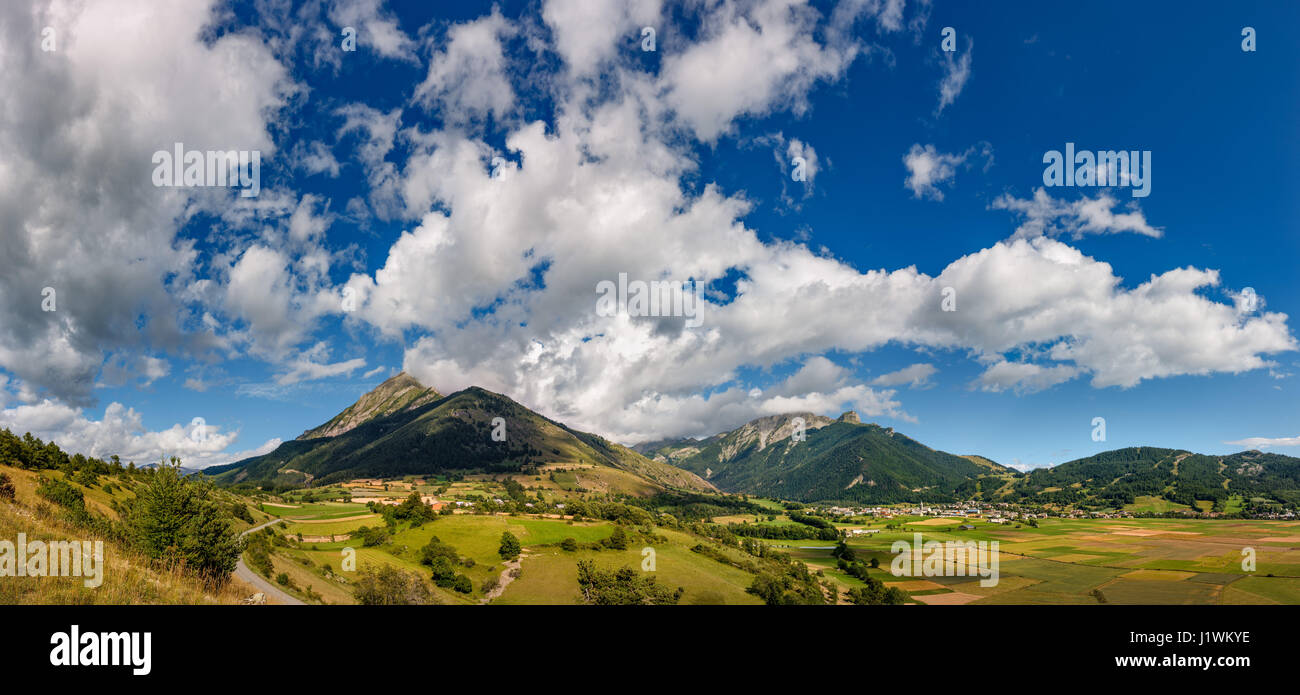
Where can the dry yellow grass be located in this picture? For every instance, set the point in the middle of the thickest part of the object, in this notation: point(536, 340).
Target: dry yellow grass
point(128, 577)
point(303, 577)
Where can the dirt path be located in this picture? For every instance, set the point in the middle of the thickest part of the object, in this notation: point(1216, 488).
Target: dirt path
point(505, 579)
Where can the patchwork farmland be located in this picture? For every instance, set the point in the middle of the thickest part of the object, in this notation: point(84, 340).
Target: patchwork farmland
point(1091, 561)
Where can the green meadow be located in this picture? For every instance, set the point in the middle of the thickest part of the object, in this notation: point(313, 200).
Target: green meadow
point(549, 574)
point(1060, 561)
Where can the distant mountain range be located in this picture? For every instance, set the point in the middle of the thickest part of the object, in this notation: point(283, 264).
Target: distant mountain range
point(405, 428)
point(843, 460)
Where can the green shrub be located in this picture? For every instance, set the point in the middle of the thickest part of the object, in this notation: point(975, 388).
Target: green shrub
point(622, 587)
point(61, 493)
point(85, 477)
point(240, 511)
point(618, 539)
point(510, 548)
point(371, 537)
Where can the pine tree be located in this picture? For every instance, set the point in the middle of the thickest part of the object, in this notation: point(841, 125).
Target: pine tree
point(178, 521)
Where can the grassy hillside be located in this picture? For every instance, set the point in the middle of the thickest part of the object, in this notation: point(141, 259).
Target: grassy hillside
point(129, 576)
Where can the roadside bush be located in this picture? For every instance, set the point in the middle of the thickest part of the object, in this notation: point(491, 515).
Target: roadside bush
point(258, 551)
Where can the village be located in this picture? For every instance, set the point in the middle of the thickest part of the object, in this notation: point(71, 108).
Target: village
point(999, 513)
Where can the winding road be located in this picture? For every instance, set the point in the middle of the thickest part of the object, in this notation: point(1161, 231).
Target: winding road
point(257, 581)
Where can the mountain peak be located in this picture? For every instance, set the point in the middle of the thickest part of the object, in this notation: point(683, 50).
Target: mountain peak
point(399, 380)
point(401, 427)
point(850, 416)
point(399, 392)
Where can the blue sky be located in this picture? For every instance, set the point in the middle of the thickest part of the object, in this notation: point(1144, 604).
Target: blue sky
point(378, 183)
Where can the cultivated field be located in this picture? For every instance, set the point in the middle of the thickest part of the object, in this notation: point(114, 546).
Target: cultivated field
point(1136, 561)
